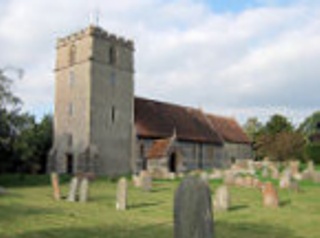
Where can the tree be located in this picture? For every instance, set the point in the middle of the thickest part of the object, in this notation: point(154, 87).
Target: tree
point(281, 146)
point(33, 145)
point(277, 124)
point(10, 106)
point(279, 141)
point(310, 128)
point(252, 128)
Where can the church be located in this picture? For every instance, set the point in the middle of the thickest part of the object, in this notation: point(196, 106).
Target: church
point(100, 126)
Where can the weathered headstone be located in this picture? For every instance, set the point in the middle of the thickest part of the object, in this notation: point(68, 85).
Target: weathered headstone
point(265, 172)
point(193, 216)
point(73, 189)
point(274, 172)
point(3, 191)
point(222, 200)
point(204, 176)
point(285, 181)
point(145, 180)
point(239, 181)
point(84, 189)
point(316, 177)
point(216, 174)
point(294, 167)
point(121, 203)
point(229, 178)
point(270, 195)
point(55, 186)
point(136, 180)
point(310, 167)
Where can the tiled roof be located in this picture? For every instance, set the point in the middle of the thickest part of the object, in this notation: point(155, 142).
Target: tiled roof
point(159, 148)
point(228, 129)
point(159, 120)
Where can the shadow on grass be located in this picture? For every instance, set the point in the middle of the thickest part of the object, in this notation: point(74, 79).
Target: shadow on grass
point(236, 230)
point(143, 205)
point(16, 211)
point(222, 230)
point(238, 207)
point(285, 203)
point(18, 180)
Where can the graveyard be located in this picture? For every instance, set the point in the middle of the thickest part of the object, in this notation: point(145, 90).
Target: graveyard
point(28, 210)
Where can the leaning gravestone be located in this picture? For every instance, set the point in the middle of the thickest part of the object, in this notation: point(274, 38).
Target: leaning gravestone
point(193, 216)
point(73, 189)
point(55, 186)
point(122, 188)
point(222, 199)
point(270, 196)
point(84, 189)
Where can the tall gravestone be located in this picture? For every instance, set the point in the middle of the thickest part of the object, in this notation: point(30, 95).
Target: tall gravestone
point(193, 216)
point(73, 189)
point(222, 200)
point(270, 196)
point(55, 186)
point(121, 203)
point(84, 189)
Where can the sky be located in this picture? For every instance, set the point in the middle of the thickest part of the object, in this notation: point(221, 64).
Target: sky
point(228, 57)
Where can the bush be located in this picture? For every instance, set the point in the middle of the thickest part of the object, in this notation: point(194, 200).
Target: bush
point(312, 152)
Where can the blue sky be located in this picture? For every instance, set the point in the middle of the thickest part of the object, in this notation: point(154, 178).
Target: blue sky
point(233, 58)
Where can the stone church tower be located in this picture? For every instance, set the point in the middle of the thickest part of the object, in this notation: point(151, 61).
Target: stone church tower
point(94, 96)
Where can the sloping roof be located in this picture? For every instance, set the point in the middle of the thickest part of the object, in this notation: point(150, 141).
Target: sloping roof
point(159, 120)
point(159, 148)
point(228, 129)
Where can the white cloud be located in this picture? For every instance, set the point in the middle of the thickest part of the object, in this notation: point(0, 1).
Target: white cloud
point(264, 57)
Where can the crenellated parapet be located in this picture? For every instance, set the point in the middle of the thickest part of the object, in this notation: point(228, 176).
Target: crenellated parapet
point(98, 33)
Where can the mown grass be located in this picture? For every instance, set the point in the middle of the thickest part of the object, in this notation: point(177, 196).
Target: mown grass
point(28, 211)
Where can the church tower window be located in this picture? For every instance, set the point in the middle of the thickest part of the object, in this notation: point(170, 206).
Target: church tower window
point(113, 114)
point(70, 109)
point(71, 79)
point(112, 55)
point(72, 54)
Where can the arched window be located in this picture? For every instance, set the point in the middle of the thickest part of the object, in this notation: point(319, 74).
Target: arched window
point(72, 54)
point(112, 55)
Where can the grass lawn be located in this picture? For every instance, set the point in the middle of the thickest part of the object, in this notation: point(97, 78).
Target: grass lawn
point(28, 211)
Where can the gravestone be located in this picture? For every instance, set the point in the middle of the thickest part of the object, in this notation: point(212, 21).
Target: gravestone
point(274, 172)
point(193, 216)
point(270, 195)
point(222, 199)
point(265, 172)
point(204, 176)
point(84, 189)
point(310, 167)
point(121, 203)
point(294, 167)
point(316, 177)
point(3, 191)
point(239, 181)
point(145, 180)
point(229, 178)
point(285, 181)
point(136, 180)
point(55, 186)
point(73, 189)
point(216, 174)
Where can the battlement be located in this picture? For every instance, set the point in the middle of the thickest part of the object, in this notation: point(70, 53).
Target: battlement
point(96, 32)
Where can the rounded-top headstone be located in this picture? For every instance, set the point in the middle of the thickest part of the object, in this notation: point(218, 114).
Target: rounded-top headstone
point(193, 216)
